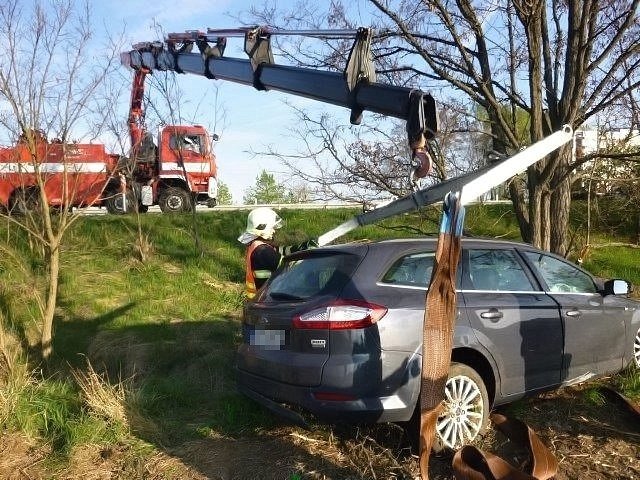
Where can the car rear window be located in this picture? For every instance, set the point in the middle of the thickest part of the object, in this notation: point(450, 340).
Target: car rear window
point(316, 274)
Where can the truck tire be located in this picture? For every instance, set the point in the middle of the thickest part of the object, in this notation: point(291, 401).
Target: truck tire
point(115, 204)
point(24, 200)
point(175, 200)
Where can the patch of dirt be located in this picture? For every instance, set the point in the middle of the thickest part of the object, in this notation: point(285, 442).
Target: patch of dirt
point(19, 456)
point(591, 442)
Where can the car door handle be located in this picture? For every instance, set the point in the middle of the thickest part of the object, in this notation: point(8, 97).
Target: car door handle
point(573, 313)
point(492, 314)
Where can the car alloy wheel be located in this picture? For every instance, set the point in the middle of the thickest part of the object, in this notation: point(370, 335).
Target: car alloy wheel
point(636, 349)
point(465, 409)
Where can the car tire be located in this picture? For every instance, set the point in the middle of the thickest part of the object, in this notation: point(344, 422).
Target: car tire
point(175, 200)
point(462, 378)
point(636, 349)
point(465, 413)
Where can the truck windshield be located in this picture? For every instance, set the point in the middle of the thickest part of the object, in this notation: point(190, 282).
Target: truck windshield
point(192, 143)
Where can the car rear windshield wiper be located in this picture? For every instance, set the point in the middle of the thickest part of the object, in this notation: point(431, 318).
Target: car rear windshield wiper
point(284, 296)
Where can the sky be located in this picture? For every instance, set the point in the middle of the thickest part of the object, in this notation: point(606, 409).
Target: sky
point(253, 119)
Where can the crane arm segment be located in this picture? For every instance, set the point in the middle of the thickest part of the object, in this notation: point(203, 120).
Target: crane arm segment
point(355, 88)
point(136, 109)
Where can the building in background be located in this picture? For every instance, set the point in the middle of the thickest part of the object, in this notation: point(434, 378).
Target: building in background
point(601, 175)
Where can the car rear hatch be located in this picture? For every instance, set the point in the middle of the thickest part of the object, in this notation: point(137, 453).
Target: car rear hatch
point(273, 347)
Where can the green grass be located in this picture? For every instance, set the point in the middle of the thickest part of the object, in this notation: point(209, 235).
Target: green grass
point(52, 410)
point(628, 382)
point(593, 396)
point(615, 262)
point(170, 326)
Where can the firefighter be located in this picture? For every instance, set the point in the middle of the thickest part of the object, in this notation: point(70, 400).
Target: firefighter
point(263, 257)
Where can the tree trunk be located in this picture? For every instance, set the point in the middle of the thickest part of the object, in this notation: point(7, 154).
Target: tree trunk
point(560, 203)
point(516, 192)
point(50, 307)
point(545, 221)
point(535, 206)
point(559, 214)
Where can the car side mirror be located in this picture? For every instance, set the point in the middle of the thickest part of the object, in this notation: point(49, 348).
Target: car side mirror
point(617, 287)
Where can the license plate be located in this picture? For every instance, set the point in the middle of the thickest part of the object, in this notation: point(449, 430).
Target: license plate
point(267, 339)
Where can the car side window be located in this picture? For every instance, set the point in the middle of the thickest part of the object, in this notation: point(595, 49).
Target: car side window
point(411, 270)
point(561, 276)
point(497, 270)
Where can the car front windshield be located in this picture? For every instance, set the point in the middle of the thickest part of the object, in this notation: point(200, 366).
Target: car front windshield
point(312, 275)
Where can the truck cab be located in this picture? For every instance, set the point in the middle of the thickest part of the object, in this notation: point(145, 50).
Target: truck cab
point(186, 170)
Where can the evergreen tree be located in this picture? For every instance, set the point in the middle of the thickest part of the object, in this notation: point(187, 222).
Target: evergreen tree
point(266, 190)
point(224, 194)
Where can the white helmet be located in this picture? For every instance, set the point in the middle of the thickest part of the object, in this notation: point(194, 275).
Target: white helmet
point(263, 222)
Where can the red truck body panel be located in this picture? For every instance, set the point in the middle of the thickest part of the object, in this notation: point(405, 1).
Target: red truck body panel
point(73, 174)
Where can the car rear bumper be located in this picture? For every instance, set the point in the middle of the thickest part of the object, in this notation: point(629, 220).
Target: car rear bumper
point(277, 408)
point(283, 399)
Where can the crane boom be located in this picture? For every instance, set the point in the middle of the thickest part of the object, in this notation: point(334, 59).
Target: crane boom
point(355, 88)
point(325, 86)
point(136, 111)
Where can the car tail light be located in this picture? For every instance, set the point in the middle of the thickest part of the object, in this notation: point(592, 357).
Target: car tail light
point(341, 315)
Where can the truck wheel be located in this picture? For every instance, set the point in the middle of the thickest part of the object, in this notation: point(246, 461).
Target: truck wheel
point(175, 200)
point(24, 200)
point(115, 203)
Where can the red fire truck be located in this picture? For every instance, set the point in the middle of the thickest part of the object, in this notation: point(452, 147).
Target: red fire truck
point(175, 172)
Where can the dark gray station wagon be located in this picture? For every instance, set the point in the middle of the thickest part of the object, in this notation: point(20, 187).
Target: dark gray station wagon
point(338, 332)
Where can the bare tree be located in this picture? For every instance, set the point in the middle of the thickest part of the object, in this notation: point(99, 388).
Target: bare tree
point(114, 123)
point(372, 161)
point(560, 62)
point(48, 77)
point(578, 58)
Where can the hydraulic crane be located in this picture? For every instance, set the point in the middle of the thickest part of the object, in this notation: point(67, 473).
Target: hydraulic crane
point(355, 89)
